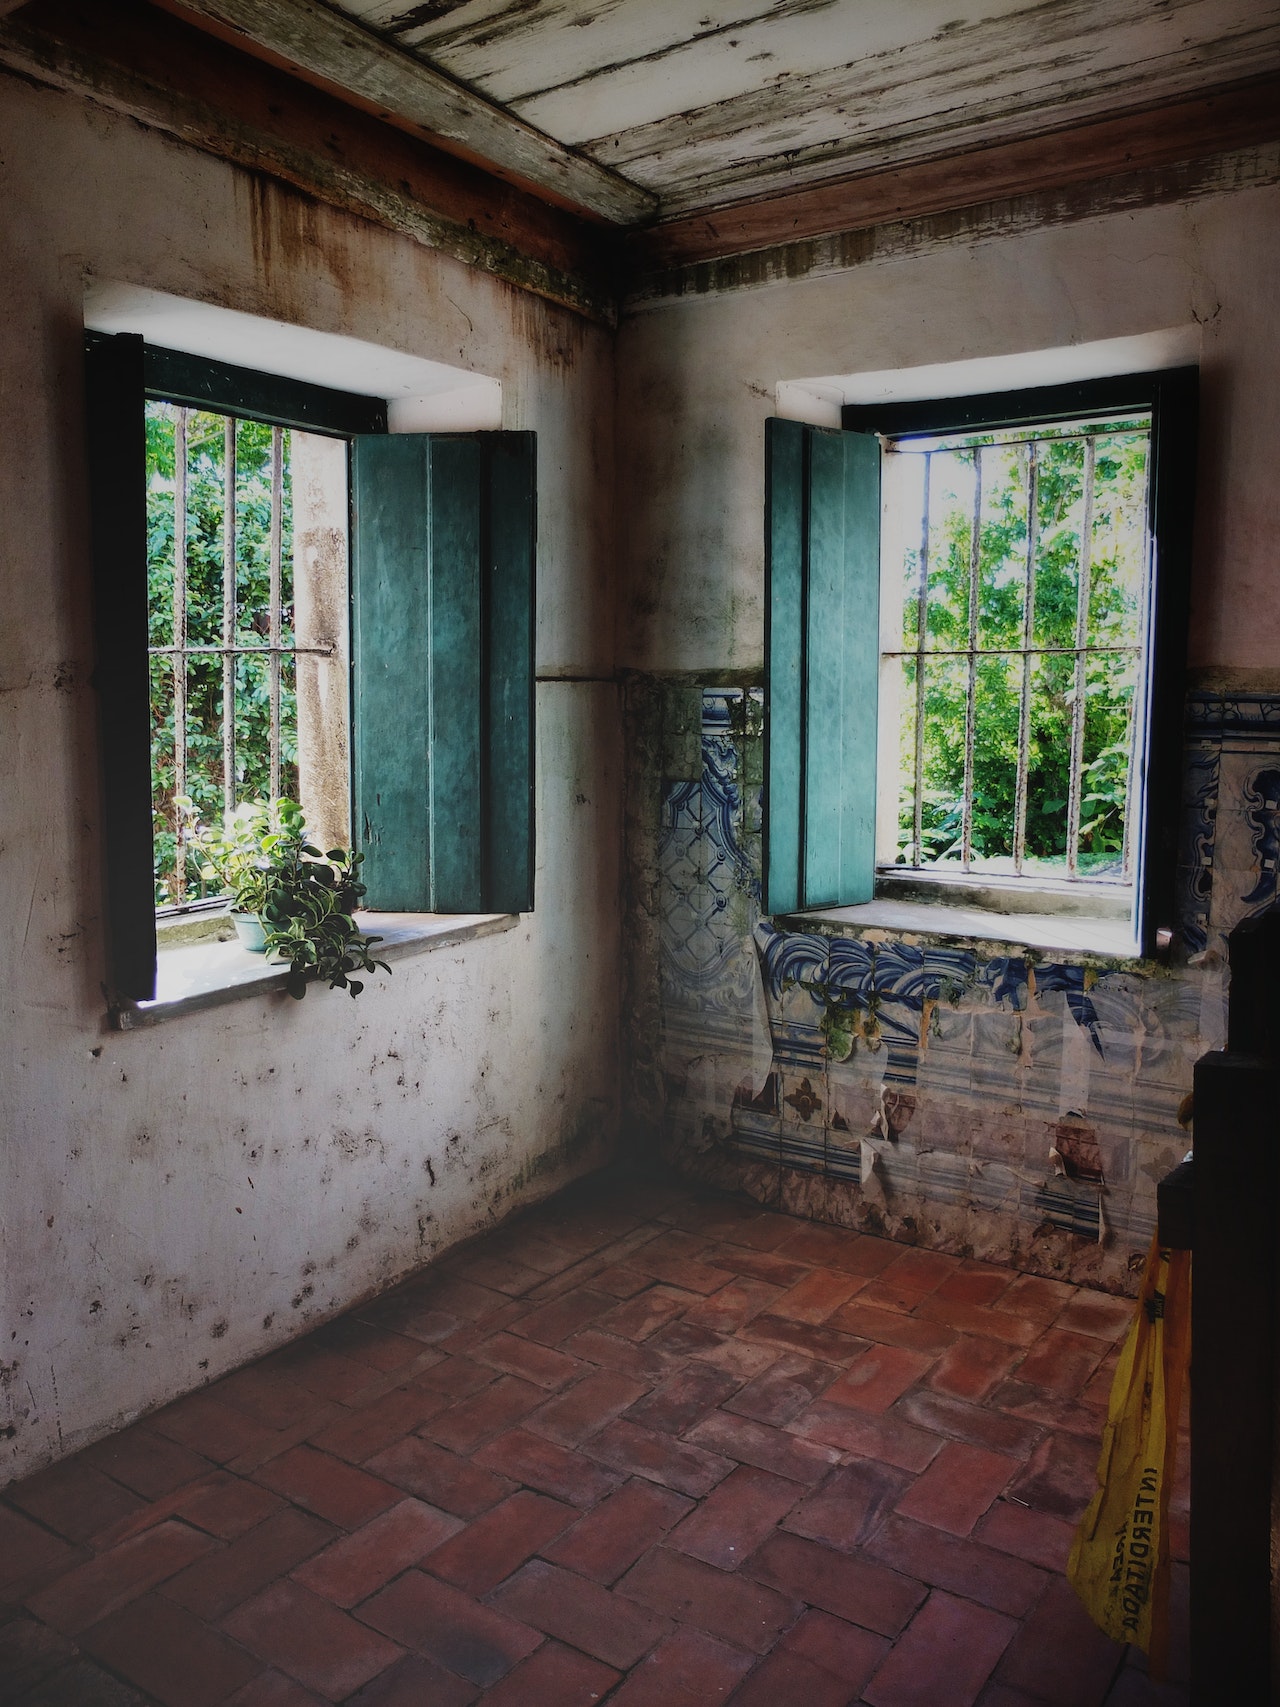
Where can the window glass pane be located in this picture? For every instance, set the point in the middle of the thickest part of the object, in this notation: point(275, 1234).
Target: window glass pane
point(1119, 540)
point(997, 704)
point(162, 779)
point(204, 528)
point(951, 496)
point(1049, 764)
point(942, 796)
point(896, 804)
point(1002, 562)
point(1110, 695)
point(1059, 522)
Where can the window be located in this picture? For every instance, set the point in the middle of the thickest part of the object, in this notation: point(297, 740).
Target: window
point(1013, 740)
point(441, 625)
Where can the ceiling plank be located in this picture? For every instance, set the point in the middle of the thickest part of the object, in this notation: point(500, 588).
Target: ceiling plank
point(1233, 117)
point(345, 58)
point(173, 78)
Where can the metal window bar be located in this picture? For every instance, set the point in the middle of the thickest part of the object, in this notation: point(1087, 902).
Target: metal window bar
point(1084, 571)
point(1028, 634)
point(1137, 735)
point(229, 614)
point(922, 629)
point(1080, 652)
point(971, 696)
point(179, 649)
point(273, 615)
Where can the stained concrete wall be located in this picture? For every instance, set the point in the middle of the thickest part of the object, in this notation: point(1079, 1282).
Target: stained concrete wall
point(916, 1084)
point(175, 1201)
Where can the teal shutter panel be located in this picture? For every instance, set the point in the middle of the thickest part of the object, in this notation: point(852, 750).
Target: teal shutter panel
point(821, 665)
point(442, 661)
point(117, 452)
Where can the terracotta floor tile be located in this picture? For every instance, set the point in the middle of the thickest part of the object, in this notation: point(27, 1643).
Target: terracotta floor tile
point(554, 1676)
point(1060, 1477)
point(226, 1506)
point(328, 1486)
point(959, 1564)
point(888, 1437)
point(477, 1642)
point(879, 1377)
point(273, 1689)
point(733, 1607)
point(972, 1423)
point(687, 1670)
point(972, 1367)
point(353, 1568)
point(1060, 1655)
point(682, 1399)
point(679, 1464)
point(784, 1677)
point(170, 1653)
point(815, 1297)
point(597, 1620)
point(1027, 1534)
point(610, 1538)
point(464, 1426)
point(863, 1593)
point(734, 1518)
point(583, 1409)
point(560, 1471)
point(416, 1681)
point(890, 1327)
point(766, 1447)
point(944, 1657)
point(101, 1585)
point(310, 1639)
point(957, 1488)
point(643, 1430)
point(849, 1505)
point(222, 1579)
point(845, 1650)
point(439, 1477)
point(491, 1547)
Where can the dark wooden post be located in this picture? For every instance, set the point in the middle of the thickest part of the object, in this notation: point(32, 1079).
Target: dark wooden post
point(1233, 1332)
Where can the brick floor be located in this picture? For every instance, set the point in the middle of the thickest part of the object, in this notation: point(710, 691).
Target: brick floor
point(646, 1446)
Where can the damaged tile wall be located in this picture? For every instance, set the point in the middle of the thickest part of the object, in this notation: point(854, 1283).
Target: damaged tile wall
point(1013, 1105)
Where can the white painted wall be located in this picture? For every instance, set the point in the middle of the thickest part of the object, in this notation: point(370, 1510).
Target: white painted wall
point(699, 376)
point(175, 1201)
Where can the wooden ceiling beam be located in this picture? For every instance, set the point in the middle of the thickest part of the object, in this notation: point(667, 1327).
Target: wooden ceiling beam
point(348, 60)
point(1232, 117)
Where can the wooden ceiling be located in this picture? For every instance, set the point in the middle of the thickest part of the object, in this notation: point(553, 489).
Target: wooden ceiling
point(705, 103)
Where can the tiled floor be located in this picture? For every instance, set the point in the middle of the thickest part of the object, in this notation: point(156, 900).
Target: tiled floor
point(641, 1446)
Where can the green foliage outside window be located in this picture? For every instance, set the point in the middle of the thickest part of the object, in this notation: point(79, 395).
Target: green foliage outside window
point(206, 520)
point(1115, 616)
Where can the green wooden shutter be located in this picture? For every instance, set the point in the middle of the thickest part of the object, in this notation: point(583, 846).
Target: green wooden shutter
point(116, 432)
point(442, 659)
point(822, 528)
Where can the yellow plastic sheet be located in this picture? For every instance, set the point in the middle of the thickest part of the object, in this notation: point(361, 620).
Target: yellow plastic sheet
point(1119, 1563)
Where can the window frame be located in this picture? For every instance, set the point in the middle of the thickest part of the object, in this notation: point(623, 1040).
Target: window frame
point(792, 523)
point(122, 372)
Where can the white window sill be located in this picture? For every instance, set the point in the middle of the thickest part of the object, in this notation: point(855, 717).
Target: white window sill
point(194, 977)
point(1069, 934)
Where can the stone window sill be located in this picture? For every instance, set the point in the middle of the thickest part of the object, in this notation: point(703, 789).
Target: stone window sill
point(193, 977)
point(1076, 934)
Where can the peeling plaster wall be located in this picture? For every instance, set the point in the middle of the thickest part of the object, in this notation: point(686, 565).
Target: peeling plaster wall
point(911, 1084)
point(176, 1201)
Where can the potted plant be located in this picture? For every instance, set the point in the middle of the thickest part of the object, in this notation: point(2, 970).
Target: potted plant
point(288, 898)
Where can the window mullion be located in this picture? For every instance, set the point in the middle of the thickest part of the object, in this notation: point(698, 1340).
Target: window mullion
point(229, 615)
point(273, 618)
point(1028, 635)
point(1083, 578)
point(971, 697)
point(180, 649)
point(922, 629)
